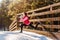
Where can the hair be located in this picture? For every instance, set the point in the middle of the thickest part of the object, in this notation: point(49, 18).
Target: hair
point(25, 13)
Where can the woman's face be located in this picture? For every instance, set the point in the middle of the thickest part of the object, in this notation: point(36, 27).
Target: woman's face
point(23, 14)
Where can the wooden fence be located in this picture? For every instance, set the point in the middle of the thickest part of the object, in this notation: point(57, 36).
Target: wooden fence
point(48, 16)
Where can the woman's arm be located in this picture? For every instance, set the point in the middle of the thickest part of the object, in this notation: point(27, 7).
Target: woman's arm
point(26, 18)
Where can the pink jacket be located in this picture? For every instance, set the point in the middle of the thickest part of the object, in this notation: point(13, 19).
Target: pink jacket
point(25, 20)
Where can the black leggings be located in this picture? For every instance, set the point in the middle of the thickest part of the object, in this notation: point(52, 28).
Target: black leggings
point(26, 25)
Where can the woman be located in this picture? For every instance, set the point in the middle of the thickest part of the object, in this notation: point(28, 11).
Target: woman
point(25, 21)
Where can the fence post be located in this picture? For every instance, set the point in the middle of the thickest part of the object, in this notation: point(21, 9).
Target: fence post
point(50, 8)
point(17, 22)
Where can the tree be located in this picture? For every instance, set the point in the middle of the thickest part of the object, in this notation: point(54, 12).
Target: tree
point(4, 18)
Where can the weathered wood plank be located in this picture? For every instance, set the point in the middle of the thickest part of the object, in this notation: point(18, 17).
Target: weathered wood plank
point(46, 19)
point(56, 4)
point(50, 26)
point(45, 13)
point(12, 23)
point(13, 26)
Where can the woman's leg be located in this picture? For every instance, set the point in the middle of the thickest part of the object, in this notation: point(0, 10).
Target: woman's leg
point(31, 26)
point(21, 28)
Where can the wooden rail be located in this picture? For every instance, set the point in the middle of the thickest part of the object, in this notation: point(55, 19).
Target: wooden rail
point(46, 19)
point(13, 25)
point(45, 13)
point(50, 26)
point(33, 13)
point(50, 6)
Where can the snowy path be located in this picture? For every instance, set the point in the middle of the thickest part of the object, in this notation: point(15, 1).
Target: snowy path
point(15, 35)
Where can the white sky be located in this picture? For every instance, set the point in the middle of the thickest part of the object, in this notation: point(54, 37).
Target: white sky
point(0, 1)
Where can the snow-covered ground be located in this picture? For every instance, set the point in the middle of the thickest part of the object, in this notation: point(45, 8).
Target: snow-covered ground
point(15, 35)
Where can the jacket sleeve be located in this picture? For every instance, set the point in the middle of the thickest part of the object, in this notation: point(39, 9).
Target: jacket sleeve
point(26, 18)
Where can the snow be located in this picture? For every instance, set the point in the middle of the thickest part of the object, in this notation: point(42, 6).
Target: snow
point(15, 35)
